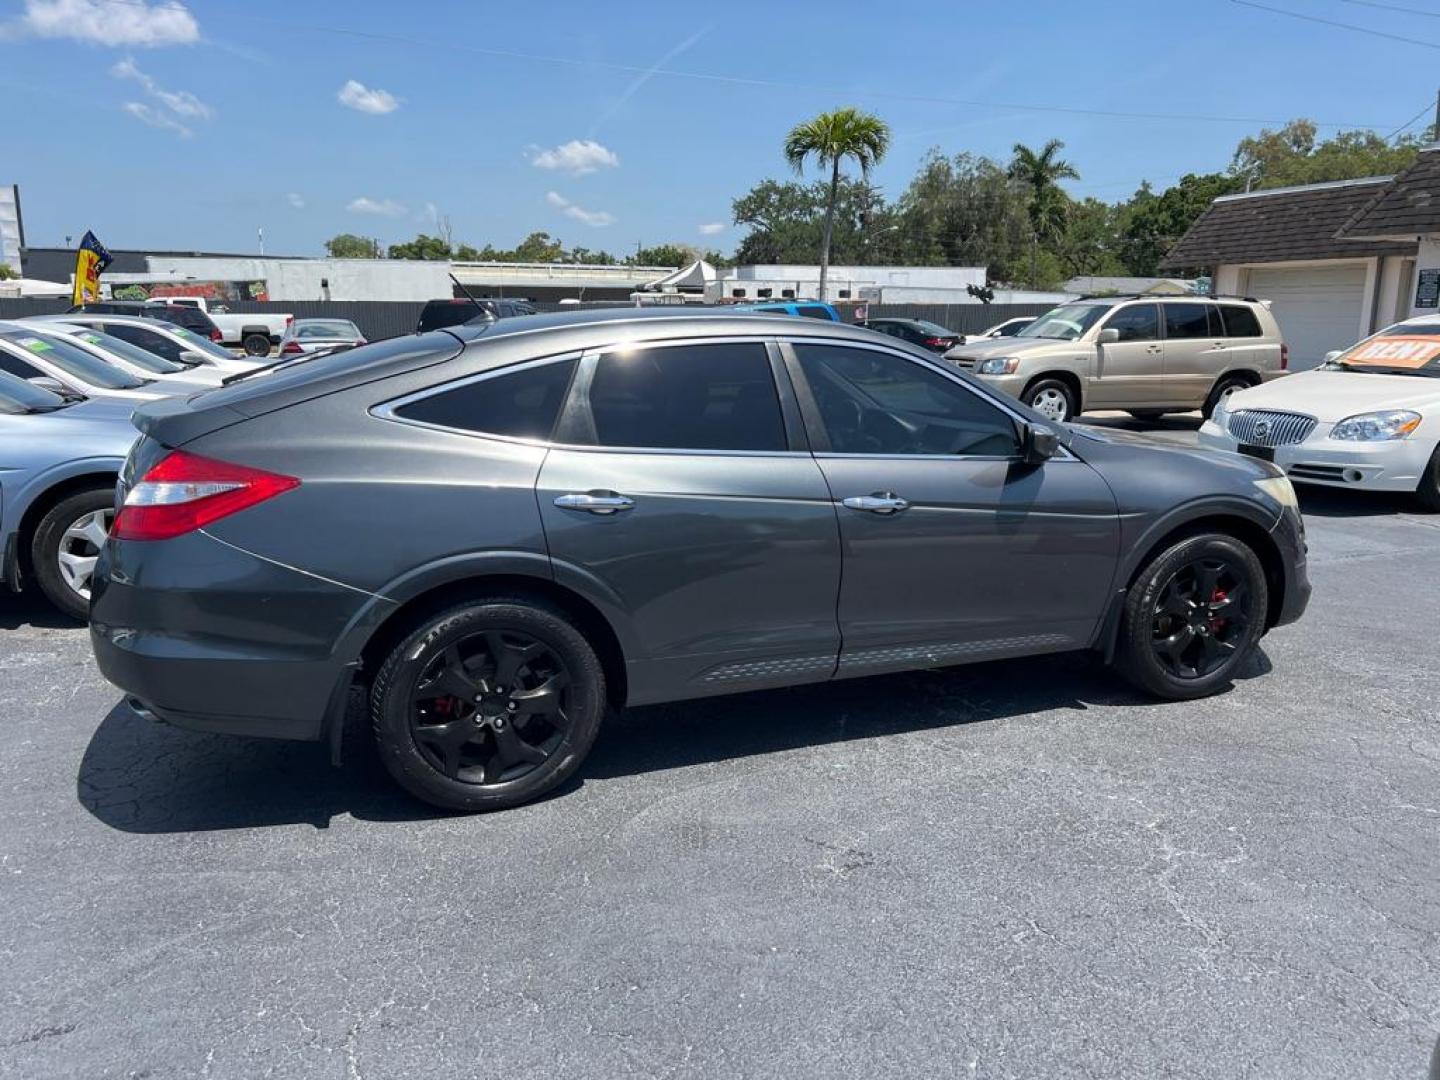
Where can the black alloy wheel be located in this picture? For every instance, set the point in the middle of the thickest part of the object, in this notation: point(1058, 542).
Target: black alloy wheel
point(488, 705)
point(1192, 615)
point(1201, 617)
point(491, 707)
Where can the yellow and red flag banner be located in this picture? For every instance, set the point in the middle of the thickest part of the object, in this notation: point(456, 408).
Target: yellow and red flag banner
point(91, 259)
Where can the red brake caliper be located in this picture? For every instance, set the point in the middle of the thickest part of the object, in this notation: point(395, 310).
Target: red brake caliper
point(1216, 625)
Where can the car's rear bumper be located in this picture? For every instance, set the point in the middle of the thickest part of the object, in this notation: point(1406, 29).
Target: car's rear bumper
point(209, 637)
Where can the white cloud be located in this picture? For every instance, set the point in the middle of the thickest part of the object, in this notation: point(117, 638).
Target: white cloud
point(383, 207)
point(577, 157)
point(596, 218)
point(109, 22)
point(155, 118)
point(296, 200)
point(712, 228)
point(356, 95)
point(180, 102)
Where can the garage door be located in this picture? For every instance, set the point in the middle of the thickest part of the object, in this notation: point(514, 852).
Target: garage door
point(1318, 307)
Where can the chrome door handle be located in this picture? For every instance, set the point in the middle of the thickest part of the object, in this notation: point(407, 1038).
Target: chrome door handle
point(882, 502)
point(595, 502)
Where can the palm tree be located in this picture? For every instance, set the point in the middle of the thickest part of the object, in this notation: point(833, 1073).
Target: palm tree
point(830, 138)
point(1049, 204)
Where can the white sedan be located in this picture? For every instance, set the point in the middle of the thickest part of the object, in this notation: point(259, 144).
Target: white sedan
point(1369, 418)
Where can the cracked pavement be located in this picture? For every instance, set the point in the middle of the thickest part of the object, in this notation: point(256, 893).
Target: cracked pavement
point(1008, 870)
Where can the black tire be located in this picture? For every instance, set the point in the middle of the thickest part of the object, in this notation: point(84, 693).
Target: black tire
point(1221, 627)
point(1224, 385)
point(256, 344)
point(1428, 493)
point(50, 534)
point(464, 754)
point(1043, 391)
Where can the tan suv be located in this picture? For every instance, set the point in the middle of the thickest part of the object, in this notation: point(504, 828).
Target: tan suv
point(1145, 355)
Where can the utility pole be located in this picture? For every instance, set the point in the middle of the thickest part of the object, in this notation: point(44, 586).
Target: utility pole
point(1435, 131)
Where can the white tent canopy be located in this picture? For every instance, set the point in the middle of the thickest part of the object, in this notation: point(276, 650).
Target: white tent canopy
point(27, 287)
point(692, 278)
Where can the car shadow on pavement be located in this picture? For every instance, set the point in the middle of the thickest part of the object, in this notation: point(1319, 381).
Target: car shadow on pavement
point(1334, 503)
point(30, 608)
point(140, 776)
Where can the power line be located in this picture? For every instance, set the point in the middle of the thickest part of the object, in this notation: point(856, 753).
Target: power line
point(1340, 25)
point(1424, 111)
point(1393, 7)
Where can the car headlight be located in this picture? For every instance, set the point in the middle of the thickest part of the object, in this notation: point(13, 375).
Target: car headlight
point(1281, 490)
point(1376, 426)
point(999, 365)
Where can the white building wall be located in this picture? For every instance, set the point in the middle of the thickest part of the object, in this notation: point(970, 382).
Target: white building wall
point(1428, 258)
point(300, 279)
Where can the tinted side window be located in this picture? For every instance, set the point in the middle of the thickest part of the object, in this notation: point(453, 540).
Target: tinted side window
point(523, 404)
point(813, 311)
point(1240, 321)
point(146, 339)
point(1187, 320)
point(693, 397)
point(17, 366)
point(1139, 322)
point(877, 403)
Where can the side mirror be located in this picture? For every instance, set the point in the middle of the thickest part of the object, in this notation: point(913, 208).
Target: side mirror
point(1038, 444)
point(1108, 336)
point(1333, 355)
point(194, 359)
point(45, 382)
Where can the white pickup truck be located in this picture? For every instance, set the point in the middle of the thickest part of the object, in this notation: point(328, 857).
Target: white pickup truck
point(253, 333)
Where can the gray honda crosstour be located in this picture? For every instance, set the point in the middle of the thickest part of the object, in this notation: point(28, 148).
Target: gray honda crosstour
point(501, 531)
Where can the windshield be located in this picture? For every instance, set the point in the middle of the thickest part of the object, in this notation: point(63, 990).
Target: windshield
point(1066, 322)
point(1412, 349)
point(196, 343)
point(133, 354)
point(18, 396)
point(73, 360)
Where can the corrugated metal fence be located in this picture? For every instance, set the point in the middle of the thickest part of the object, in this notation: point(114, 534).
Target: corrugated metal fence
point(379, 319)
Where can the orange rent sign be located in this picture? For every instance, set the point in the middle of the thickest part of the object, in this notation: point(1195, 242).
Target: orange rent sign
point(1403, 352)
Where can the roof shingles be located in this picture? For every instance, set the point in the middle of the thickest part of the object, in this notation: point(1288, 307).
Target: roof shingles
point(1282, 226)
point(1406, 208)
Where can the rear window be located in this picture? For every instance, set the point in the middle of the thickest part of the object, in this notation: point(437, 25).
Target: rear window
point(325, 328)
point(196, 343)
point(134, 354)
point(1240, 321)
point(518, 404)
point(814, 311)
point(925, 326)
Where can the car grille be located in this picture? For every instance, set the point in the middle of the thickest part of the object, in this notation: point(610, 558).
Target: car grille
point(966, 362)
point(1261, 427)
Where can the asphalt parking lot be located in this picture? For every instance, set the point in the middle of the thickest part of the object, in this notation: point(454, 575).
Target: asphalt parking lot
point(1008, 870)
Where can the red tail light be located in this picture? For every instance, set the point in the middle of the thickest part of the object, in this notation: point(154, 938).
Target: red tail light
point(184, 492)
point(215, 334)
point(1284, 357)
point(291, 348)
point(936, 342)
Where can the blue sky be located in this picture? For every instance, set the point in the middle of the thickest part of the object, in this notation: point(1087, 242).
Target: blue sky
point(189, 126)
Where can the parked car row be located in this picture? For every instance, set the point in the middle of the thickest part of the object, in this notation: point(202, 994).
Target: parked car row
point(640, 506)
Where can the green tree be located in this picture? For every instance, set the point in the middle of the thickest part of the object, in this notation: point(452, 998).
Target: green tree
point(1149, 224)
point(538, 247)
point(7, 272)
point(1292, 155)
point(1041, 173)
point(424, 246)
point(350, 246)
point(962, 211)
point(664, 255)
point(830, 138)
point(1090, 243)
point(787, 223)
